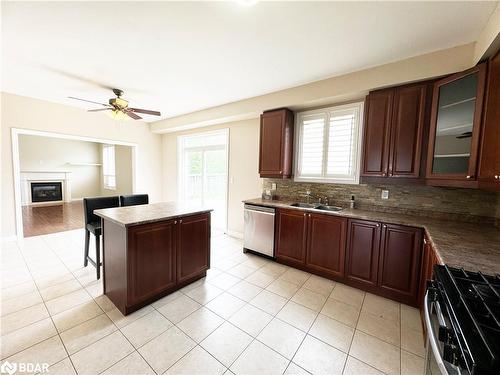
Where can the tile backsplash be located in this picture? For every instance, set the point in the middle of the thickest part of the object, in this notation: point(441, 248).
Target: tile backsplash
point(456, 204)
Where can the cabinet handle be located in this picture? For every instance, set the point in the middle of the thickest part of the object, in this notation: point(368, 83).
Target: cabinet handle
point(390, 174)
point(384, 226)
point(468, 177)
point(175, 222)
point(281, 172)
point(425, 241)
point(377, 225)
point(309, 215)
point(497, 177)
point(305, 214)
point(384, 174)
point(180, 221)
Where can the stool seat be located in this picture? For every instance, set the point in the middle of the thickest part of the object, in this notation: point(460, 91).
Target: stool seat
point(93, 225)
point(94, 228)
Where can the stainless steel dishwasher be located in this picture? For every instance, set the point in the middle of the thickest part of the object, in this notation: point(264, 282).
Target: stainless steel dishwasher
point(259, 229)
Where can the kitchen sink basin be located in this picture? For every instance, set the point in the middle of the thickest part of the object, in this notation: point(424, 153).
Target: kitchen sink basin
point(305, 205)
point(328, 208)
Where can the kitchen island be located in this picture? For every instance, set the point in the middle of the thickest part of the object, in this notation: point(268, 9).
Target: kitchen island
point(152, 250)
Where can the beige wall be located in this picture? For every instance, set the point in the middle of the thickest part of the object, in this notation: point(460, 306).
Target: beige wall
point(27, 113)
point(244, 181)
point(123, 171)
point(45, 154)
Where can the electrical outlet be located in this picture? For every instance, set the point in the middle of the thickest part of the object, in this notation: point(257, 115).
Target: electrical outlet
point(273, 186)
point(385, 194)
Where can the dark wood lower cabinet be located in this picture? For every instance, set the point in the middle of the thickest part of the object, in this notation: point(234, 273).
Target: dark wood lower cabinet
point(193, 240)
point(399, 263)
point(326, 245)
point(291, 226)
point(383, 259)
point(152, 253)
point(363, 240)
point(147, 261)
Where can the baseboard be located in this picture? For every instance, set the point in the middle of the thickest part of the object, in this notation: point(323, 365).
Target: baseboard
point(234, 233)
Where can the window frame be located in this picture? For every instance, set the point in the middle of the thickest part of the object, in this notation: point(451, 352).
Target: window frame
point(105, 176)
point(357, 145)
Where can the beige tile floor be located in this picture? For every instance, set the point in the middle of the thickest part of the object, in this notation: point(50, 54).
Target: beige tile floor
point(248, 316)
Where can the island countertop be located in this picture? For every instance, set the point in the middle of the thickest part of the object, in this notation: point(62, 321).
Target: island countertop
point(147, 213)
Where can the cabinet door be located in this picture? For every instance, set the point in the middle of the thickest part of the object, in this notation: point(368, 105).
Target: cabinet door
point(326, 244)
point(455, 127)
point(363, 246)
point(399, 264)
point(489, 167)
point(193, 246)
point(151, 260)
point(291, 237)
point(377, 133)
point(276, 139)
point(406, 131)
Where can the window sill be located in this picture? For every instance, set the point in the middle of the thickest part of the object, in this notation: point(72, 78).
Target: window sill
point(327, 180)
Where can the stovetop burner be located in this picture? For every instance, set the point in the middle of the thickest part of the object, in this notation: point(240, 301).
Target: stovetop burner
point(474, 299)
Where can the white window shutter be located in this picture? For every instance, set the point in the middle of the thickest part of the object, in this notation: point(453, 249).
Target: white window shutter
point(341, 137)
point(311, 148)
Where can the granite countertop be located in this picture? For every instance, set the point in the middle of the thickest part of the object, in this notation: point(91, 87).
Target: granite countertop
point(147, 213)
point(475, 247)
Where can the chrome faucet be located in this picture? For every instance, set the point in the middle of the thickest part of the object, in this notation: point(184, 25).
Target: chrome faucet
point(326, 201)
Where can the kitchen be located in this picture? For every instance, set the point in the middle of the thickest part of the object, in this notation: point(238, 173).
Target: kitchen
point(314, 188)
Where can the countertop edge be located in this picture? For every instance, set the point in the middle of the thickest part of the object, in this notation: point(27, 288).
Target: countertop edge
point(169, 217)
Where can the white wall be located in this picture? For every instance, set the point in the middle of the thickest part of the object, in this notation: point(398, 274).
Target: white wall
point(244, 181)
point(45, 154)
point(27, 113)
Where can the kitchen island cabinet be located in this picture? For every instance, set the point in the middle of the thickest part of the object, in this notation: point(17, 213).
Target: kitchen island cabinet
point(152, 250)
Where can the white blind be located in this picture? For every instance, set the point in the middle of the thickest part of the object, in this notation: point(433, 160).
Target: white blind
point(312, 140)
point(328, 144)
point(341, 137)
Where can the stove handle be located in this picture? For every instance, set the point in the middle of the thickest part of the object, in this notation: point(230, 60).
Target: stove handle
point(431, 335)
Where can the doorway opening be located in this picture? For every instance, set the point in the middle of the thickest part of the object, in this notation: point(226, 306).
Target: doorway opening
point(203, 173)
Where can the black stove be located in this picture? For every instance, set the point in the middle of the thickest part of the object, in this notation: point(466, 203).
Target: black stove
point(467, 324)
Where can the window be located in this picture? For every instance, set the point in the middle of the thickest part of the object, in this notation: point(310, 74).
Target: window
point(108, 167)
point(203, 169)
point(327, 144)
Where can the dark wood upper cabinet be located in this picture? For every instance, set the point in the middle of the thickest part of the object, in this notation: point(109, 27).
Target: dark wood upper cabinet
point(276, 144)
point(326, 244)
point(193, 254)
point(457, 105)
point(291, 233)
point(377, 133)
point(395, 125)
point(151, 247)
point(406, 131)
point(363, 243)
point(399, 262)
point(489, 163)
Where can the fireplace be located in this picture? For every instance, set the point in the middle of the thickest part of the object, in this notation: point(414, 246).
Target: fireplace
point(46, 191)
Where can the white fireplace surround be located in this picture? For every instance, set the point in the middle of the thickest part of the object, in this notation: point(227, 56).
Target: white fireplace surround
point(27, 177)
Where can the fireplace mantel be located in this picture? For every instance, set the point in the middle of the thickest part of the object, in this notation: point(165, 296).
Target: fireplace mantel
point(27, 177)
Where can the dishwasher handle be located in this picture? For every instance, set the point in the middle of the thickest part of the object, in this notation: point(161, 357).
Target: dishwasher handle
point(260, 209)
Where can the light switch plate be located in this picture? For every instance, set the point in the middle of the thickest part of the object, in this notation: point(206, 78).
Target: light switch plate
point(385, 194)
point(273, 186)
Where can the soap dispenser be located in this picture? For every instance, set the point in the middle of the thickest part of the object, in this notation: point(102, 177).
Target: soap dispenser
point(351, 202)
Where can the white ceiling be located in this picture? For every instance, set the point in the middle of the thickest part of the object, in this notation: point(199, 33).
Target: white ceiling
point(181, 57)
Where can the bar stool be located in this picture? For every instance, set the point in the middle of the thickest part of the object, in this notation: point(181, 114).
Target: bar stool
point(93, 225)
point(133, 200)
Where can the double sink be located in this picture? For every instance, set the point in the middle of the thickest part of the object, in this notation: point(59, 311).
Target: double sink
point(317, 206)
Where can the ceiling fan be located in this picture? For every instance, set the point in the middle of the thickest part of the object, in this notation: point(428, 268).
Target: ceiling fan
point(119, 107)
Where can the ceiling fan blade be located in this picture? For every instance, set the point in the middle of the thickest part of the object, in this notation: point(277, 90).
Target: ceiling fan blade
point(99, 109)
point(133, 115)
point(89, 101)
point(145, 111)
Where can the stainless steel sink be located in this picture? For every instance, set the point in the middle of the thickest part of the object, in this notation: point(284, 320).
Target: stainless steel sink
point(329, 208)
point(305, 205)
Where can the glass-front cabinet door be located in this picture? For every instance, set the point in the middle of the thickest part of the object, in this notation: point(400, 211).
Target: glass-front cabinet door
point(455, 126)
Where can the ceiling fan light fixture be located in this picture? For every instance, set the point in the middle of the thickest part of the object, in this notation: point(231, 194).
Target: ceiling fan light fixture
point(116, 114)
